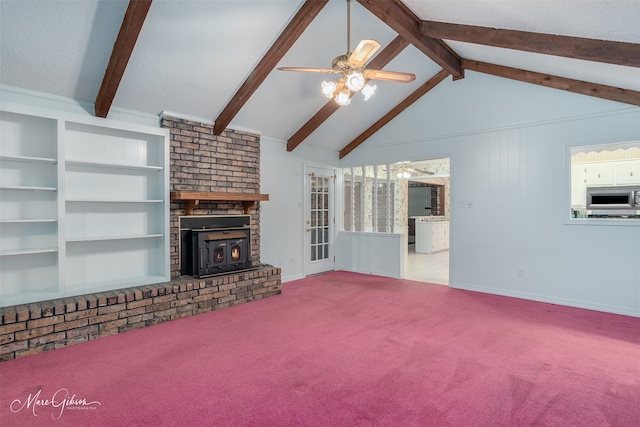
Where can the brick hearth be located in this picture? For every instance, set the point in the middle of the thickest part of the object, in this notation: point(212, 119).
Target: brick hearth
point(200, 161)
point(34, 328)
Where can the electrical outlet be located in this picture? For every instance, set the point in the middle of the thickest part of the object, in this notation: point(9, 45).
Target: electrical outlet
point(520, 271)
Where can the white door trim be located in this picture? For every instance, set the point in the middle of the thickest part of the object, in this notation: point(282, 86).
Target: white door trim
point(329, 264)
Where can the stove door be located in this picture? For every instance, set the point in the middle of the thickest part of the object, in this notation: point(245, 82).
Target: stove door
point(220, 251)
point(238, 252)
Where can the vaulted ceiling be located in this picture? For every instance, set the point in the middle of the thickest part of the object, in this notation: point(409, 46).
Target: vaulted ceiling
point(215, 60)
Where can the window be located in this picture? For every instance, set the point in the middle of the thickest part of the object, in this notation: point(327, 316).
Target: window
point(605, 181)
point(372, 197)
point(385, 206)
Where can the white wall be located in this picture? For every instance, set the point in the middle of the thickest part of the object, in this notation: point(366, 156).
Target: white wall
point(282, 217)
point(509, 147)
point(381, 254)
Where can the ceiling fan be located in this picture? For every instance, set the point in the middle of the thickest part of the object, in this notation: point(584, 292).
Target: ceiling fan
point(405, 171)
point(352, 68)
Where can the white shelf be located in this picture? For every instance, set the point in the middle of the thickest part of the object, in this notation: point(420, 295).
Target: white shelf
point(107, 225)
point(113, 165)
point(28, 159)
point(28, 188)
point(112, 201)
point(27, 221)
point(28, 251)
point(103, 238)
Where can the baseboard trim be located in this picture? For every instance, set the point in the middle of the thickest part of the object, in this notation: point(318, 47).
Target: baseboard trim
point(550, 300)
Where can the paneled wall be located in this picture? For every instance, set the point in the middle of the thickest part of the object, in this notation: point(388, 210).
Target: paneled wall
point(510, 189)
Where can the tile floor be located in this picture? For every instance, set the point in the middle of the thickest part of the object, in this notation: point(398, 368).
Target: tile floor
point(432, 268)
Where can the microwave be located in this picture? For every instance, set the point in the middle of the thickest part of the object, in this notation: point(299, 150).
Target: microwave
point(613, 201)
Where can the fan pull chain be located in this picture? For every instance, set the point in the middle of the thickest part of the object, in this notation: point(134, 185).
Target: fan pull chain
point(348, 27)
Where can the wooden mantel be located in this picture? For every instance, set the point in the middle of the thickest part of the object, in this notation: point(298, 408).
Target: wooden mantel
point(192, 198)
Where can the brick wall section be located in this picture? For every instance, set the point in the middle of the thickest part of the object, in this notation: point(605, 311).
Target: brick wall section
point(34, 328)
point(202, 161)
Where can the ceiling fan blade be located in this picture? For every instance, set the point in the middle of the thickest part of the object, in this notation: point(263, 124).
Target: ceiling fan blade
point(364, 51)
point(421, 172)
point(392, 76)
point(310, 70)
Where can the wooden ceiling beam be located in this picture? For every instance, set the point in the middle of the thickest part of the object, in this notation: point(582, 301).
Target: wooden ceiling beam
point(405, 23)
point(610, 52)
point(430, 84)
point(125, 42)
point(576, 86)
point(280, 47)
point(385, 56)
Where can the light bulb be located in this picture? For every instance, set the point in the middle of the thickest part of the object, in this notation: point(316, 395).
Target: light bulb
point(343, 98)
point(368, 91)
point(328, 88)
point(355, 81)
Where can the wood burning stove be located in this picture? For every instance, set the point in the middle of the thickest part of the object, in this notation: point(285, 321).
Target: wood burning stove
point(214, 244)
point(219, 251)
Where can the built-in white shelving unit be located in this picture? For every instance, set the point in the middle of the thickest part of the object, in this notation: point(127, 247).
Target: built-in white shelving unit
point(84, 204)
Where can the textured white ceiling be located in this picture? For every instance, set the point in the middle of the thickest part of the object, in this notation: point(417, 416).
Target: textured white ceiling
point(617, 20)
point(58, 47)
point(605, 20)
point(192, 56)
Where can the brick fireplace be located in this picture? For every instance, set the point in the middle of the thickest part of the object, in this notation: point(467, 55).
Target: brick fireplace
point(203, 162)
point(199, 162)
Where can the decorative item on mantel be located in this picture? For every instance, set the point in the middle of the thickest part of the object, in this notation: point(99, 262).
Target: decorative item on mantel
point(192, 198)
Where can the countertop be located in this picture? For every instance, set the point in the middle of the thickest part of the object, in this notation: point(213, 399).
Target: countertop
point(430, 218)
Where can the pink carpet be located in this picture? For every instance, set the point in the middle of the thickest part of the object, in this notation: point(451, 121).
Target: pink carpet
point(343, 349)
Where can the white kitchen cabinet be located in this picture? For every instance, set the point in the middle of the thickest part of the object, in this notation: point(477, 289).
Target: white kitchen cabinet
point(599, 174)
point(627, 172)
point(578, 185)
point(84, 205)
point(431, 236)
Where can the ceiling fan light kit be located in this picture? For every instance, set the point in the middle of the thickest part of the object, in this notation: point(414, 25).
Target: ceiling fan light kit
point(343, 97)
point(368, 90)
point(355, 81)
point(328, 88)
point(353, 70)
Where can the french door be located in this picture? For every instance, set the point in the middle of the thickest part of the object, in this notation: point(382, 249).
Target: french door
point(319, 220)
